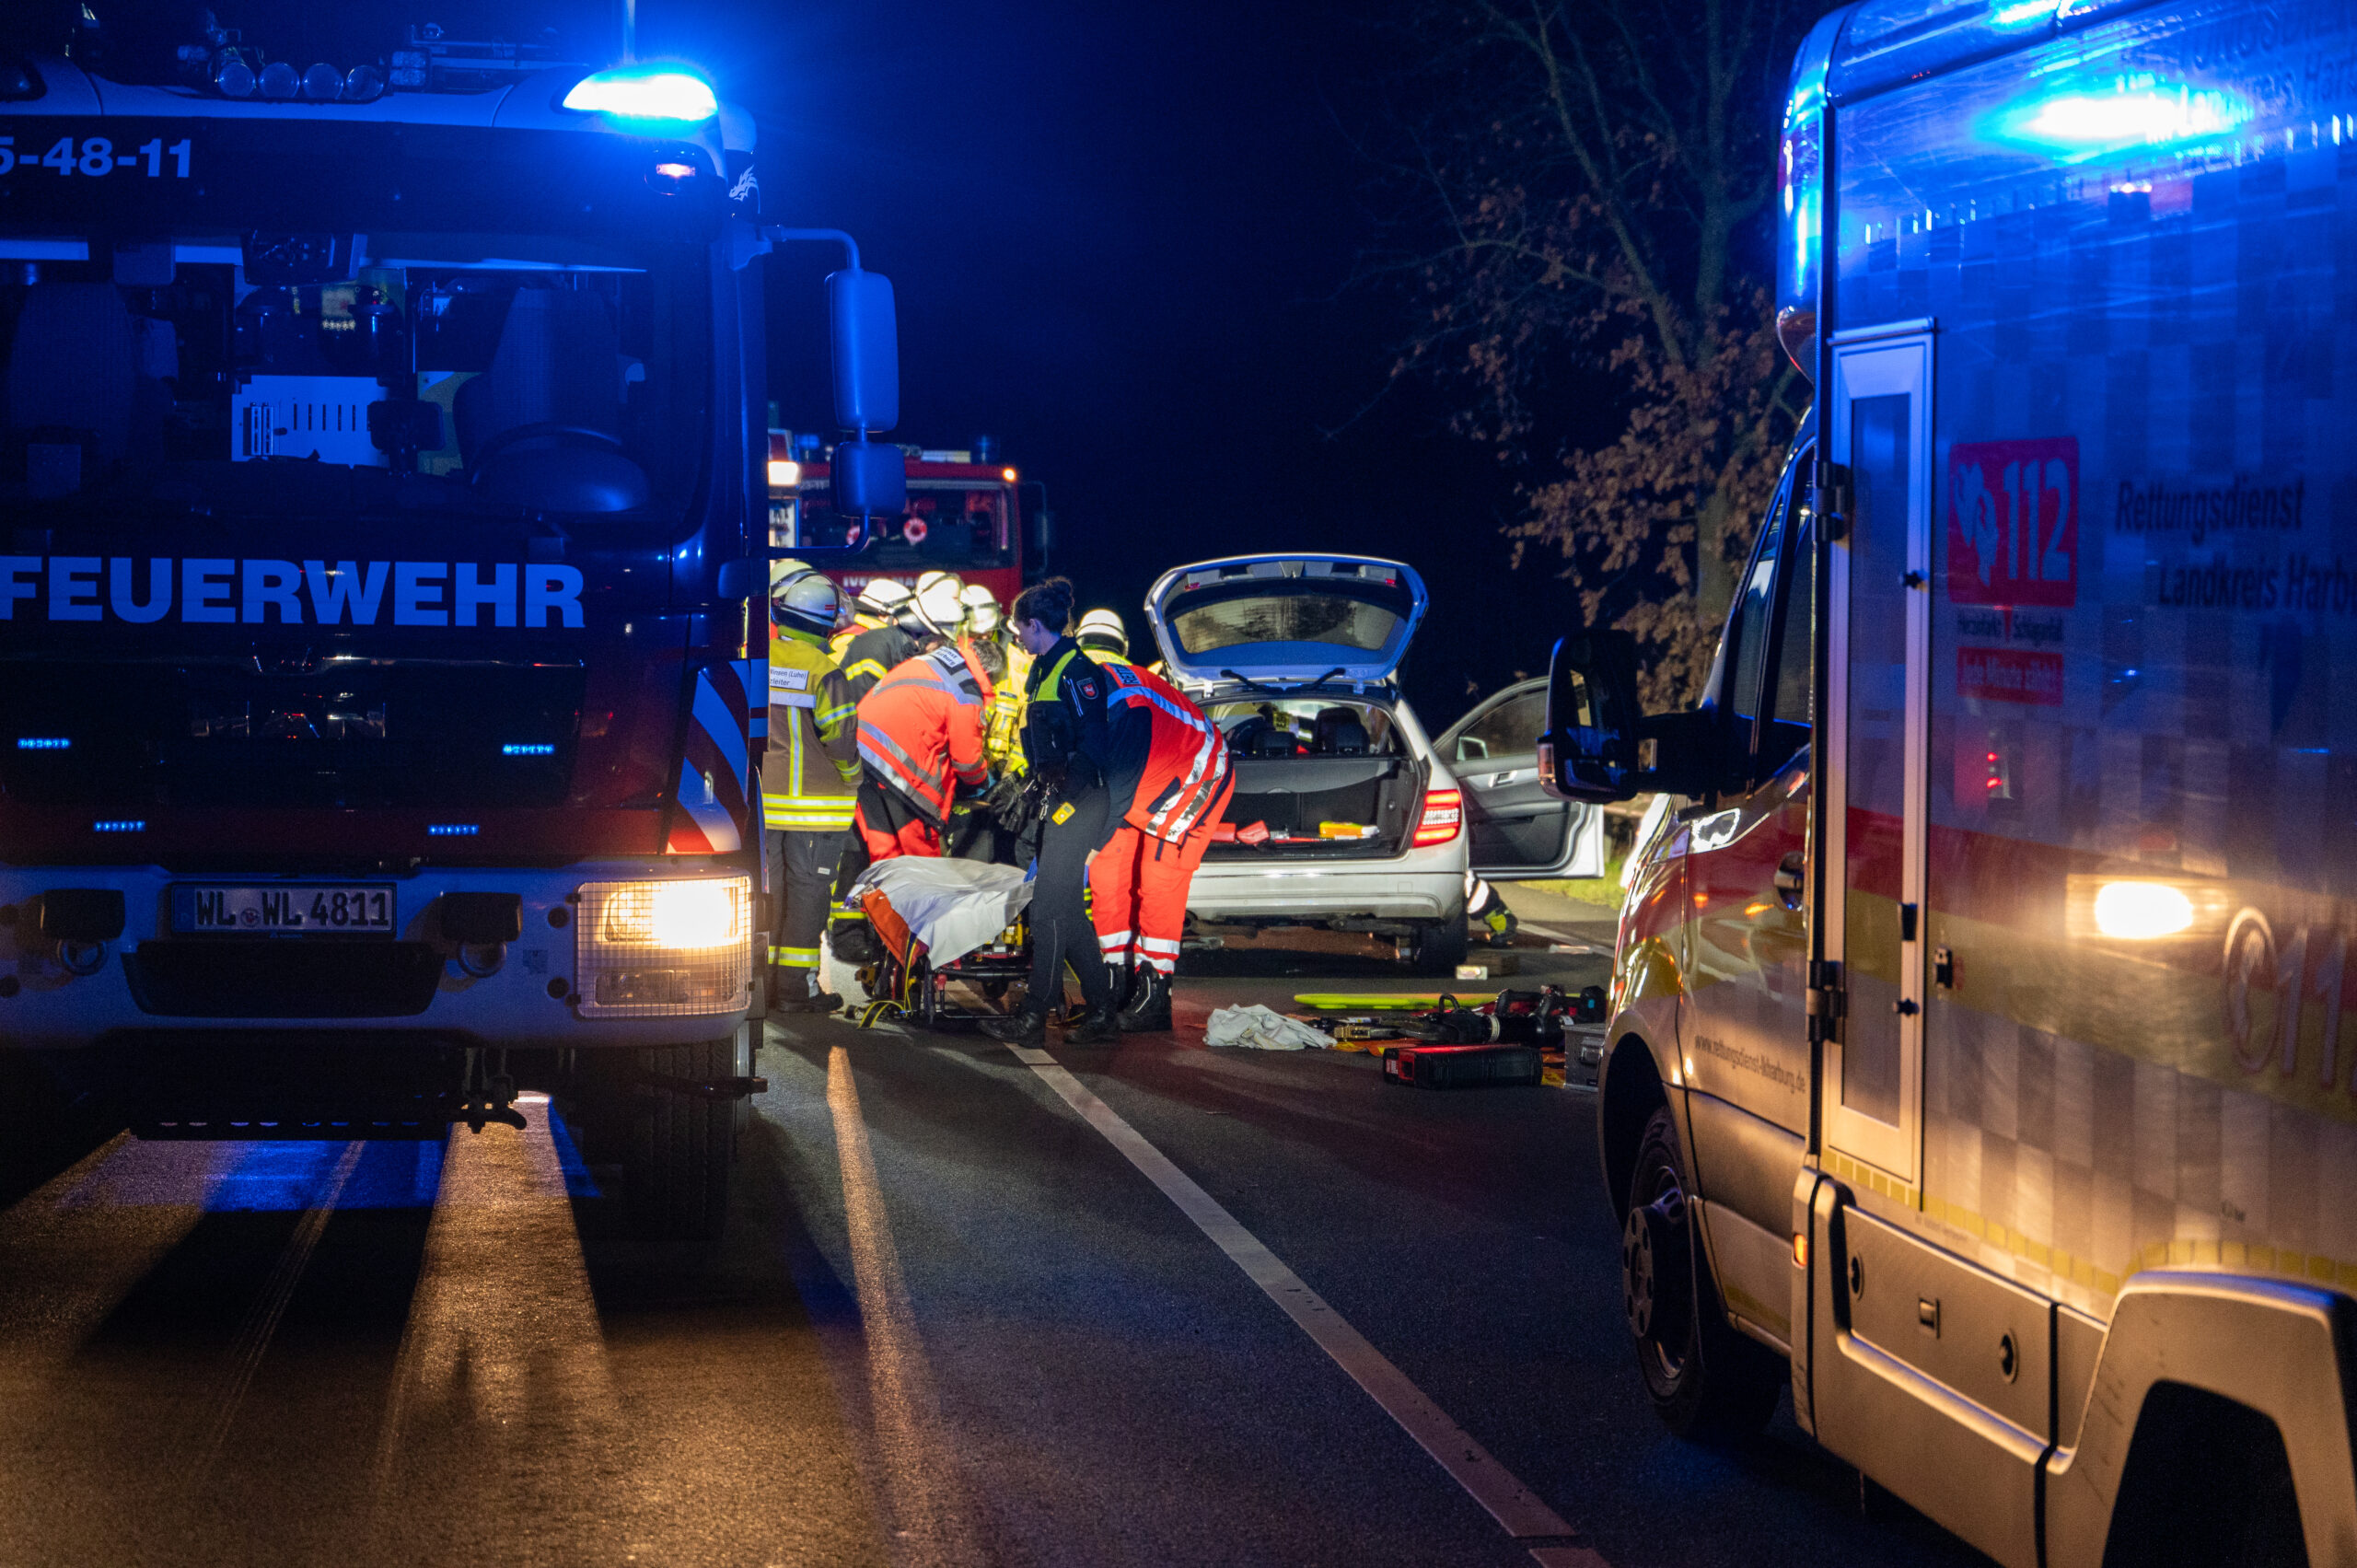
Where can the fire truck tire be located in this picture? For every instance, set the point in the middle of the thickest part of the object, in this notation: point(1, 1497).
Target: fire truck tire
point(675, 1176)
point(1707, 1381)
point(1441, 947)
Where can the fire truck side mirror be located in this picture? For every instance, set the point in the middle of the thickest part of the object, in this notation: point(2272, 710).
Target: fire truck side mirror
point(871, 479)
point(867, 341)
point(1598, 745)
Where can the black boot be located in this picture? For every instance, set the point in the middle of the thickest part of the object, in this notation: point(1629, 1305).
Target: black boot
point(1099, 1026)
point(797, 991)
point(1148, 1008)
point(1028, 1026)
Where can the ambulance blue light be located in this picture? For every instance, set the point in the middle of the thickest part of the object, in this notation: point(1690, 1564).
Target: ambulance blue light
point(528, 749)
point(120, 825)
point(44, 743)
point(644, 92)
point(452, 829)
point(2087, 119)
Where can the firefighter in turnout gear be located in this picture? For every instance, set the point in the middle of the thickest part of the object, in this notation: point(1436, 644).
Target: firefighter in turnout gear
point(810, 777)
point(877, 603)
point(868, 656)
point(1064, 741)
point(1171, 782)
point(921, 738)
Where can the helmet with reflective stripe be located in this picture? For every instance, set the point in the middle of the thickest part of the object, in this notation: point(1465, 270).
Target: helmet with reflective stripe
point(1103, 628)
point(810, 603)
point(883, 597)
point(937, 604)
point(982, 614)
point(782, 576)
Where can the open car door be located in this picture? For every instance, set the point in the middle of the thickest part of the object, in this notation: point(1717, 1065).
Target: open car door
point(1515, 829)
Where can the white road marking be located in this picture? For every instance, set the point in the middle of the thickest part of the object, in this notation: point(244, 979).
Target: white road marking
point(261, 1319)
point(1521, 1512)
point(1579, 943)
point(925, 1498)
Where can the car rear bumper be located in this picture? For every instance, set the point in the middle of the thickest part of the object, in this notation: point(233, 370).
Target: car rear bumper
point(1420, 884)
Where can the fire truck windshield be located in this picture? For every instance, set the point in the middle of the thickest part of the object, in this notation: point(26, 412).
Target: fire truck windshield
point(474, 373)
point(950, 525)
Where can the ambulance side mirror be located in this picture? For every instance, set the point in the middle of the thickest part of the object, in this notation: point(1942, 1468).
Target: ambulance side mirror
point(1598, 746)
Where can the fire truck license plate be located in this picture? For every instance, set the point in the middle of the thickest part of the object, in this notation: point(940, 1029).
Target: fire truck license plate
point(308, 909)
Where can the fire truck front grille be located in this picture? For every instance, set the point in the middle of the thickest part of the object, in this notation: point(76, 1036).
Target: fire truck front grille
point(285, 979)
point(351, 733)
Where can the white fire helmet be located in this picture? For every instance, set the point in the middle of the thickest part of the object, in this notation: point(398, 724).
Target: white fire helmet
point(810, 603)
point(1103, 628)
point(783, 572)
point(982, 614)
point(937, 604)
point(883, 597)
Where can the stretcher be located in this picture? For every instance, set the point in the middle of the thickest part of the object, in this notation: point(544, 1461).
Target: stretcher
point(945, 908)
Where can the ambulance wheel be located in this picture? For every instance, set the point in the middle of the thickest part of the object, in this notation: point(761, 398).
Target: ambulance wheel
point(1706, 1380)
point(675, 1174)
point(1441, 947)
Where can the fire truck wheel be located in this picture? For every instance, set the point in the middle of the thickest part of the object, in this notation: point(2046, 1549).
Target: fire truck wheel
point(1707, 1381)
point(1441, 947)
point(675, 1178)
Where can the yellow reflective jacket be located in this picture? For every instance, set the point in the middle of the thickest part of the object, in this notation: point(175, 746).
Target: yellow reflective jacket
point(810, 772)
point(1004, 738)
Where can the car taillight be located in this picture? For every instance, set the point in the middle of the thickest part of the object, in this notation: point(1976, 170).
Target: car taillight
point(1444, 816)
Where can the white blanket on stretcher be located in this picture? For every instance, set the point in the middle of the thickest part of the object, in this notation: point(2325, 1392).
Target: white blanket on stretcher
point(951, 906)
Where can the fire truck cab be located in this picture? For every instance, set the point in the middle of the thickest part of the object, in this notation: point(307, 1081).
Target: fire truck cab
point(1980, 1059)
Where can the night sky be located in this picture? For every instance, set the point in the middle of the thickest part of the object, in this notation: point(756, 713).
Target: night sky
point(1118, 237)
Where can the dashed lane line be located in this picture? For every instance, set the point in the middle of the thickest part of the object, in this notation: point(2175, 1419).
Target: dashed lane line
point(1523, 1514)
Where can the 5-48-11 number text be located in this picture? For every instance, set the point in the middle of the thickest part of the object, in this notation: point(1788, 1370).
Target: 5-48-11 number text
point(95, 154)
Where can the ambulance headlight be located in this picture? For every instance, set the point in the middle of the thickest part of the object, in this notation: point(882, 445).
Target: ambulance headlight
point(665, 949)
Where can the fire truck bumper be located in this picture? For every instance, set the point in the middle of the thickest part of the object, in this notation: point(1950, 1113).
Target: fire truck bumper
point(621, 954)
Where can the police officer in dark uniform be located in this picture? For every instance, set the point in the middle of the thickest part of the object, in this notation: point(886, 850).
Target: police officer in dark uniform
point(1065, 742)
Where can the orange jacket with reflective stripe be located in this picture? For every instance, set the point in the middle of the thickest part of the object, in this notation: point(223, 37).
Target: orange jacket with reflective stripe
point(1169, 762)
point(920, 729)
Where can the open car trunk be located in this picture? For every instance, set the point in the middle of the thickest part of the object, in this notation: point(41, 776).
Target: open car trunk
point(1317, 777)
point(1294, 797)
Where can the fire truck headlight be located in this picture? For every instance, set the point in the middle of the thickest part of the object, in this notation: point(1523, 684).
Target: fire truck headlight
point(323, 82)
point(279, 80)
point(680, 916)
point(666, 948)
point(642, 92)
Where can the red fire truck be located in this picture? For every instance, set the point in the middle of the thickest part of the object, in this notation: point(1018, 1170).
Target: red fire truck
point(378, 732)
point(965, 515)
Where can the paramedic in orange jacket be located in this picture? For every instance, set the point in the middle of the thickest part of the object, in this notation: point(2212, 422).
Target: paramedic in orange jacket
point(921, 735)
point(1170, 783)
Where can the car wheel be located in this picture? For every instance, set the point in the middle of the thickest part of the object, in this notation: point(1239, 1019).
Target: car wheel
point(1441, 947)
point(1705, 1379)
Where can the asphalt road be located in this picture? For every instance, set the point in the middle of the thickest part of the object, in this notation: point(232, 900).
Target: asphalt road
point(952, 1323)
